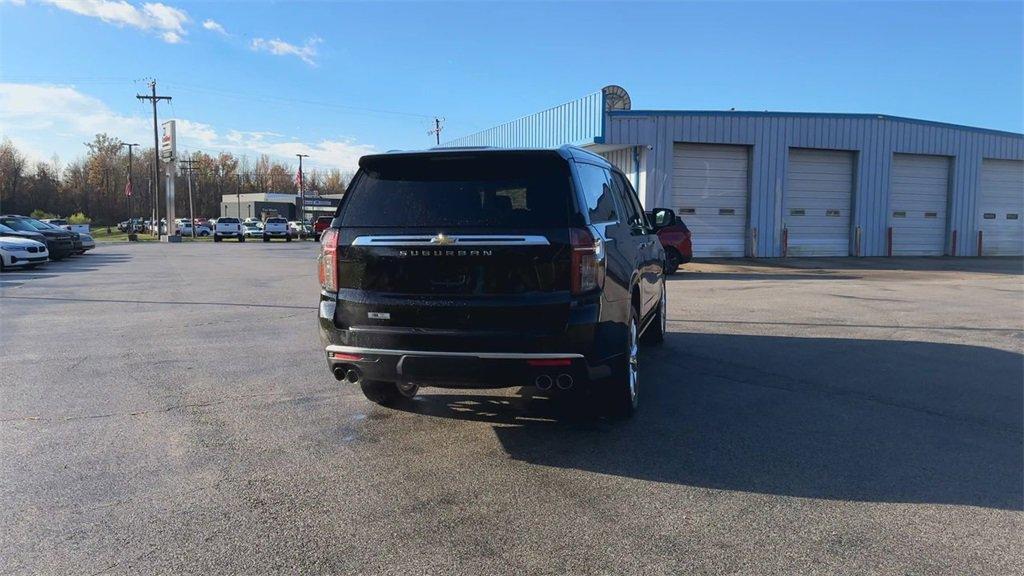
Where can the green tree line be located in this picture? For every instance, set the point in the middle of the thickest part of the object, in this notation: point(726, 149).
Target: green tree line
point(94, 184)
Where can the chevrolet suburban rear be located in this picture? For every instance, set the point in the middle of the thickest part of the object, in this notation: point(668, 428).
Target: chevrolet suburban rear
point(489, 268)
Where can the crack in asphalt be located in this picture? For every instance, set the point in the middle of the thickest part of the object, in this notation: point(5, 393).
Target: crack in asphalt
point(165, 409)
point(823, 325)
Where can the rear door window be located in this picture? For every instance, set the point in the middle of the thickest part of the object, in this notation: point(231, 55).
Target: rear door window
point(596, 182)
point(460, 190)
point(634, 214)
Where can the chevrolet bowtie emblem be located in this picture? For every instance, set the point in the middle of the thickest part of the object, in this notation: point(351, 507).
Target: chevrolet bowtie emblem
point(441, 240)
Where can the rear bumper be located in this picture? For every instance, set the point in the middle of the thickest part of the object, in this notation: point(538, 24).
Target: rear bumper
point(467, 358)
point(457, 369)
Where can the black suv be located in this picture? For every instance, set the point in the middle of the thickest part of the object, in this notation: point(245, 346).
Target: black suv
point(488, 268)
point(59, 243)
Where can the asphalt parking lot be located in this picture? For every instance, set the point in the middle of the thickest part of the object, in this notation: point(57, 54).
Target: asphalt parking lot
point(166, 408)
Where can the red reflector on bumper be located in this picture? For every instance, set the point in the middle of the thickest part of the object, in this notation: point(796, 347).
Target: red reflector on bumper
point(551, 362)
point(340, 356)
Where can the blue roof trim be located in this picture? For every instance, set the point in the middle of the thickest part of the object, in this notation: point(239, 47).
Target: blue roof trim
point(808, 114)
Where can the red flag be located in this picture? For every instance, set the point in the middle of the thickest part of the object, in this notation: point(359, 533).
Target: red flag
point(298, 179)
point(128, 189)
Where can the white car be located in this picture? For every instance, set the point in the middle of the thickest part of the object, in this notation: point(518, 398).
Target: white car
point(276, 228)
point(201, 230)
point(251, 231)
point(228, 228)
point(299, 229)
point(88, 243)
point(21, 252)
point(62, 223)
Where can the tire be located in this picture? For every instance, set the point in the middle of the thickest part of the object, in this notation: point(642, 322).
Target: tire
point(623, 390)
point(673, 259)
point(655, 333)
point(386, 393)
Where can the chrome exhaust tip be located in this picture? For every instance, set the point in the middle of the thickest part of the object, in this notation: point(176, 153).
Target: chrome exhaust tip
point(339, 373)
point(564, 381)
point(543, 382)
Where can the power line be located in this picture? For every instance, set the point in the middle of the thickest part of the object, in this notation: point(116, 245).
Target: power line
point(284, 100)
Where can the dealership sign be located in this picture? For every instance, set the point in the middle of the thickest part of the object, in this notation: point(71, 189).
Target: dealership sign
point(315, 201)
point(168, 142)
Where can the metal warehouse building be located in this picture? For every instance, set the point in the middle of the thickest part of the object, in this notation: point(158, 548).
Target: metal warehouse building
point(800, 184)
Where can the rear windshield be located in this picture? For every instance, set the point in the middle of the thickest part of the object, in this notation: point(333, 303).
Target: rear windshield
point(486, 190)
point(227, 221)
point(276, 221)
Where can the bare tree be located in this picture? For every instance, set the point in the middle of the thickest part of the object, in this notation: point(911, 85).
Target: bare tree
point(12, 166)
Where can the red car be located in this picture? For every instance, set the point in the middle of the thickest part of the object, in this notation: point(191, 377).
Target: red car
point(675, 238)
point(320, 224)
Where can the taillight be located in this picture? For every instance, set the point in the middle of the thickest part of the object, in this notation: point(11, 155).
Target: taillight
point(587, 261)
point(328, 268)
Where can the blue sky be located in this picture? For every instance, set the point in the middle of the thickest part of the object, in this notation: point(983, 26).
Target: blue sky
point(69, 68)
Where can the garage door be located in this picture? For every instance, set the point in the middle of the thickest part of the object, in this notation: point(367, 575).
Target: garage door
point(816, 204)
point(917, 209)
point(710, 193)
point(1001, 204)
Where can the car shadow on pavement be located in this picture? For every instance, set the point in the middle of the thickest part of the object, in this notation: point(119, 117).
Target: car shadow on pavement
point(840, 419)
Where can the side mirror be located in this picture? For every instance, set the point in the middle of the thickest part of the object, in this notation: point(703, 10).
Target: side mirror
point(662, 217)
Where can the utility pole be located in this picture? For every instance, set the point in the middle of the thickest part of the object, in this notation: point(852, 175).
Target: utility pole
point(302, 192)
point(437, 129)
point(153, 98)
point(191, 213)
point(238, 199)
point(129, 190)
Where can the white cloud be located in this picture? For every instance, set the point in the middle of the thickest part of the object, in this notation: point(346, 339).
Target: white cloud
point(47, 119)
point(214, 26)
point(13, 2)
point(307, 52)
point(167, 21)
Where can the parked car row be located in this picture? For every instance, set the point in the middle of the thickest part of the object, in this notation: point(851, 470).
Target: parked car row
point(26, 242)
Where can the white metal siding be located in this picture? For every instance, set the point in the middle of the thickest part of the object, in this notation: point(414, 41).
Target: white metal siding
point(710, 189)
point(816, 207)
point(770, 136)
point(1000, 207)
point(917, 210)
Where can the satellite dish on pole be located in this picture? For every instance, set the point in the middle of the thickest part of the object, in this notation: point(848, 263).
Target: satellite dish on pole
point(616, 98)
